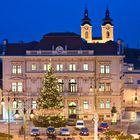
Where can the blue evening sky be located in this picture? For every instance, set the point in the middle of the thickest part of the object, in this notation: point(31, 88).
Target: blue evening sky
point(29, 20)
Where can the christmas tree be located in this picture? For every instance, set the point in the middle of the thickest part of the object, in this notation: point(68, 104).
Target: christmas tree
point(50, 109)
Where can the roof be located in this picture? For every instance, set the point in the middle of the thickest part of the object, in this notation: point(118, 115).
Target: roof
point(132, 56)
point(68, 40)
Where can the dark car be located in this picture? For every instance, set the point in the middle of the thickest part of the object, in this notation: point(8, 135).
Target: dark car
point(35, 132)
point(100, 130)
point(71, 122)
point(51, 132)
point(84, 131)
point(104, 126)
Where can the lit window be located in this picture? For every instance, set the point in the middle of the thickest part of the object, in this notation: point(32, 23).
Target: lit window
point(72, 85)
point(85, 67)
point(14, 69)
point(19, 69)
point(107, 104)
point(102, 69)
point(86, 105)
point(130, 68)
point(14, 87)
point(72, 67)
point(105, 69)
point(108, 87)
point(102, 104)
point(19, 87)
point(34, 105)
point(45, 67)
point(34, 67)
point(60, 85)
point(130, 80)
point(102, 87)
point(20, 104)
point(14, 105)
point(59, 67)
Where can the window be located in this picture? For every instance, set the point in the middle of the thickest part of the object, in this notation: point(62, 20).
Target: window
point(102, 87)
point(107, 104)
point(86, 34)
point(108, 87)
point(102, 104)
point(107, 34)
point(105, 69)
point(14, 104)
point(20, 104)
point(105, 87)
point(47, 67)
point(130, 68)
point(16, 69)
point(85, 67)
point(86, 105)
point(14, 87)
point(130, 80)
point(34, 105)
point(59, 67)
point(34, 67)
point(72, 85)
point(72, 67)
point(19, 88)
point(60, 85)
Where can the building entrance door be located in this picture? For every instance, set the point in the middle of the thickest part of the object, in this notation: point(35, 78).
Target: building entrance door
point(72, 110)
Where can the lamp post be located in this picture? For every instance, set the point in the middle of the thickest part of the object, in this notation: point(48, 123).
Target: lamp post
point(8, 109)
point(95, 117)
point(24, 116)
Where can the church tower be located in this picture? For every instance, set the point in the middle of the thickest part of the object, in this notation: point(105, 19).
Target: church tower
point(86, 28)
point(107, 28)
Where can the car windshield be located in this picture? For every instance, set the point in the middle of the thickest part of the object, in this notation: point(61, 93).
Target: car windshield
point(104, 124)
point(84, 129)
point(51, 129)
point(65, 129)
point(34, 130)
point(80, 124)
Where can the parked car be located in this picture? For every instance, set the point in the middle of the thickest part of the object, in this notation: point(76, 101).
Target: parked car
point(35, 132)
point(71, 122)
point(84, 131)
point(51, 132)
point(64, 131)
point(100, 130)
point(104, 125)
point(80, 124)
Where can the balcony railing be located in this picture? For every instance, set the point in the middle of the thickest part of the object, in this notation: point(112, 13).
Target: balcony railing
point(53, 52)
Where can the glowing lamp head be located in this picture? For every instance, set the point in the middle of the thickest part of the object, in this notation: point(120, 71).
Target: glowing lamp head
point(32, 114)
point(2, 101)
point(16, 114)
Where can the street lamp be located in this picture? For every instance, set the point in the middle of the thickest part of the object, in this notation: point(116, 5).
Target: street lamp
point(24, 117)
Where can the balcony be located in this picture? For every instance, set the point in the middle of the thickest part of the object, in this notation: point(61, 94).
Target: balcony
point(71, 94)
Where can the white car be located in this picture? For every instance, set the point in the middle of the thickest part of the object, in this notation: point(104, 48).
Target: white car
point(80, 124)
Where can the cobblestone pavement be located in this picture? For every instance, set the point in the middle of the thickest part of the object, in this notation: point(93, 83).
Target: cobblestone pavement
point(134, 128)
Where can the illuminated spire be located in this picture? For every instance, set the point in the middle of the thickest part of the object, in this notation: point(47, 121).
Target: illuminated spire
point(86, 19)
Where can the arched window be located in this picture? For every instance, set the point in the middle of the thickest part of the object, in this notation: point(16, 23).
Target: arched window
point(102, 104)
point(107, 34)
point(86, 34)
point(108, 104)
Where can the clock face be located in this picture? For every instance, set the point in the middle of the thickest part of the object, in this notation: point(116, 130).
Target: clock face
point(107, 27)
point(59, 49)
point(86, 28)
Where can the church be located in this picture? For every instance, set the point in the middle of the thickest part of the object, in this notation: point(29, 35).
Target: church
point(90, 71)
